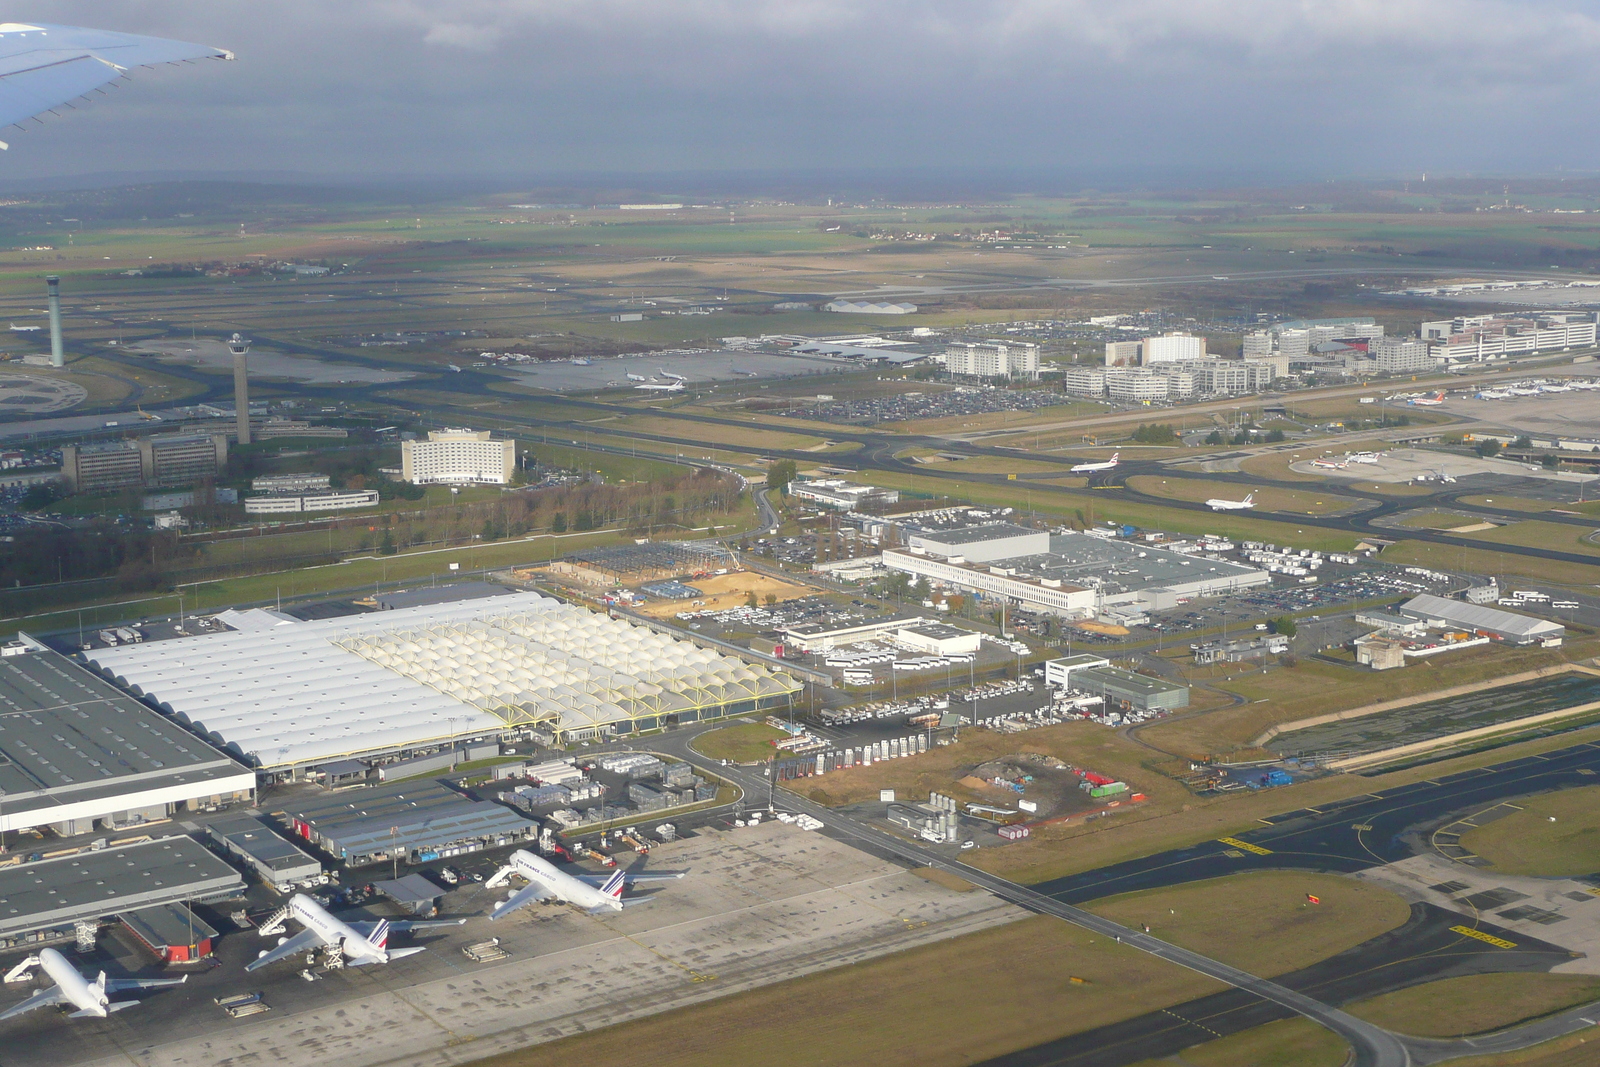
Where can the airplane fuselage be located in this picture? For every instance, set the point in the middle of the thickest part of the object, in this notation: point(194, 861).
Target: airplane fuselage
point(87, 998)
point(565, 888)
point(314, 916)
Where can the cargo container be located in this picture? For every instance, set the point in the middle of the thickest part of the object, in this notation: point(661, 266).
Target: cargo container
point(1109, 789)
point(1013, 833)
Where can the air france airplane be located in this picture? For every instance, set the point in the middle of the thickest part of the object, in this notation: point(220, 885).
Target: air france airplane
point(1219, 504)
point(361, 943)
point(1087, 468)
point(92, 999)
point(546, 881)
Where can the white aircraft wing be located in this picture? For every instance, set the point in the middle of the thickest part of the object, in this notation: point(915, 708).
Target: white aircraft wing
point(400, 926)
point(528, 894)
point(44, 66)
point(304, 940)
point(598, 880)
point(121, 985)
point(42, 999)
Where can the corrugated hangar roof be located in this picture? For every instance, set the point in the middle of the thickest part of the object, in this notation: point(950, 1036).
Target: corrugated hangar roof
point(1480, 617)
point(390, 681)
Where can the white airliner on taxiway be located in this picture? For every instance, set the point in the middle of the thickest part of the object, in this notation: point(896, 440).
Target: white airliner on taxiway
point(1219, 504)
point(546, 881)
point(1428, 401)
point(1088, 468)
point(673, 386)
point(361, 943)
point(90, 998)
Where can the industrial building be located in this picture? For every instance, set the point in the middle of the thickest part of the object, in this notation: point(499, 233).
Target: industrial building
point(319, 500)
point(419, 821)
point(263, 850)
point(843, 495)
point(1094, 674)
point(55, 894)
point(173, 932)
point(1474, 338)
point(288, 696)
point(76, 753)
point(1507, 626)
point(939, 639)
point(1069, 574)
point(1172, 347)
point(868, 307)
point(165, 459)
point(289, 483)
point(458, 457)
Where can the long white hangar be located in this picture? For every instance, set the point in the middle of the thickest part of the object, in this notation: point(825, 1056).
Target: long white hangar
point(287, 696)
point(77, 755)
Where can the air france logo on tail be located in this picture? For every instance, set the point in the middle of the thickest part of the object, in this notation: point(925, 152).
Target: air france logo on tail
point(613, 886)
point(380, 934)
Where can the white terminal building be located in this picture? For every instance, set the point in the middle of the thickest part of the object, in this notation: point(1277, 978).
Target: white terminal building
point(992, 359)
point(458, 457)
point(318, 500)
point(1069, 574)
point(285, 696)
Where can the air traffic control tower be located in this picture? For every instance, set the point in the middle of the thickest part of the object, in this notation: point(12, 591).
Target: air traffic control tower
point(241, 385)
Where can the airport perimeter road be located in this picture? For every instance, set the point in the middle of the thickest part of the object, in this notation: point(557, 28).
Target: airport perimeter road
point(1374, 1046)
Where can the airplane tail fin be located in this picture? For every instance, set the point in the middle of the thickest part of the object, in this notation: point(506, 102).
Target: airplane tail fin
point(100, 982)
point(380, 935)
point(1115, 456)
point(1249, 498)
point(614, 884)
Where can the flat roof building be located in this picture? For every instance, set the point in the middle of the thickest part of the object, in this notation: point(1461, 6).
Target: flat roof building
point(979, 543)
point(54, 894)
point(422, 821)
point(263, 850)
point(173, 932)
point(1076, 574)
point(1505, 626)
point(75, 751)
point(838, 493)
point(1137, 691)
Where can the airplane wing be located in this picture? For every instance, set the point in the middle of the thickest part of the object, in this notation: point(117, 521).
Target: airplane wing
point(43, 67)
point(400, 926)
point(305, 939)
point(119, 985)
point(42, 999)
point(598, 880)
point(528, 894)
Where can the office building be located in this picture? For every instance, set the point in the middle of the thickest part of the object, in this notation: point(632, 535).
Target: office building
point(288, 483)
point(111, 465)
point(1173, 346)
point(458, 457)
point(1137, 385)
point(1401, 355)
point(1084, 381)
point(993, 360)
point(840, 494)
point(325, 500)
point(1475, 338)
point(1124, 353)
point(183, 458)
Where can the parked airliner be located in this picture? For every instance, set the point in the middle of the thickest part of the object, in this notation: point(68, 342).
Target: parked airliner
point(361, 943)
point(546, 881)
point(71, 987)
point(1428, 401)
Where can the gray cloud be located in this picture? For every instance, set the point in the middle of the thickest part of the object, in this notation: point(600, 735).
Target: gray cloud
point(521, 87)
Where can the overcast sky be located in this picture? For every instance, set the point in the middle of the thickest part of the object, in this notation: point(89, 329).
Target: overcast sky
point(1260, 89)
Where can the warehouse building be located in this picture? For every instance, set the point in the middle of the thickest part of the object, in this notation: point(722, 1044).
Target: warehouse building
point(1070, 574)
point(458, 457)
point(1507, 626)
point(288, 696)
point(173, 932)
point(75, 753)
point(53, 895)
point(419, 821)
point(1140, 692)
point(260, 849)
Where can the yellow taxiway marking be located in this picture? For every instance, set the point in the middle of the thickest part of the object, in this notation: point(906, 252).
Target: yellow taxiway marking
point(1490, 939)
point(1234, 842)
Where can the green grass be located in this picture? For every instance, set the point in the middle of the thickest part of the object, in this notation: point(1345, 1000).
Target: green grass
point(1267, 498)
point(1488, 561)
point(1535, 533)
point(1554, 835)
point(1477, 1003)
point(1262, 921)
point(746, 742)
